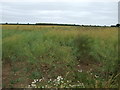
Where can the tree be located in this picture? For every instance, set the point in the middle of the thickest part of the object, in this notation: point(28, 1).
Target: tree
point(117, 25)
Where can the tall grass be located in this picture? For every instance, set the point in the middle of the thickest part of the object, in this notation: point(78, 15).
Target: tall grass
point(52, 51)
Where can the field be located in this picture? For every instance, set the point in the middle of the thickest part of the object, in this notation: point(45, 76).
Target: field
point(60, 56)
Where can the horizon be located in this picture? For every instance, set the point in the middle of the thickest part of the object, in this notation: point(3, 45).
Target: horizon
point(38, 23)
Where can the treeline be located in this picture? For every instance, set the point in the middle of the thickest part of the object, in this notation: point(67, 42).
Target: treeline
point(53, 24)
point(117, 25)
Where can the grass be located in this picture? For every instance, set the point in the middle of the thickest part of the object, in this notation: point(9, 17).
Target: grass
point(85, 54)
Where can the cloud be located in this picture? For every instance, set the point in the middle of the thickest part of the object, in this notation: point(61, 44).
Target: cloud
point(61, 12)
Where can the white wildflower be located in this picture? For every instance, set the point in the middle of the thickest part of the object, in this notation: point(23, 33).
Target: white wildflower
point(37, 80)
point(33, 85)
point(78, 65)
point(40, 80)
point(96, 76)
point(80, 70)
point(59, 77)
point(33, 82)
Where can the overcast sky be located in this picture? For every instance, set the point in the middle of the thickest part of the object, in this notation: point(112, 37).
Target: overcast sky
point(94, 12)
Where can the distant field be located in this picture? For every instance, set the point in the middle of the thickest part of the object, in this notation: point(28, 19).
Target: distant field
point(60, 56)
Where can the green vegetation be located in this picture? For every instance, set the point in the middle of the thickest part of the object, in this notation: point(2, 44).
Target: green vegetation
point(83, 57)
